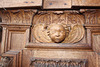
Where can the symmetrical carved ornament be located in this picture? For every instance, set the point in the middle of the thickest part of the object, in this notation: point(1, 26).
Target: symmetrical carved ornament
point(17, 16)
point(58, 27)
point(56, 33)
point(41, 62)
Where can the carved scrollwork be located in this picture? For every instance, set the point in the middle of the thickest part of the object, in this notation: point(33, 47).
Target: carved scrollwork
point(42, 62)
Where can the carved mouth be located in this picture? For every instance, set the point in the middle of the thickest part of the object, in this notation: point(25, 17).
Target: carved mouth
point(57, 40)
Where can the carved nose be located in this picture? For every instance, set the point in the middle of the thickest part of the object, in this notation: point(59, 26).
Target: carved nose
point(57, 35)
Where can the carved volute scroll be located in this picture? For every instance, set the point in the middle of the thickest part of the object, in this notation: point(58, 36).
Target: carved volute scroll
point(42, 62)
point(58, 27)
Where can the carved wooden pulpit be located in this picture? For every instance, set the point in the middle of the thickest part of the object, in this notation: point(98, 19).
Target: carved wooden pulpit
point(50, 33)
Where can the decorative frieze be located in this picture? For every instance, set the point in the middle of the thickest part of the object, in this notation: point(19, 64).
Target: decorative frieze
point(43, 62)
point(17, 16)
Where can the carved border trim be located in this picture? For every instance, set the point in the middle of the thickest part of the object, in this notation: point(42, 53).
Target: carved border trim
point(57, 46)
point(57, 61)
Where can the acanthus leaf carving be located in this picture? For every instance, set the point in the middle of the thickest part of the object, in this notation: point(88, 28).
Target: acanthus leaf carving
point(18, 16)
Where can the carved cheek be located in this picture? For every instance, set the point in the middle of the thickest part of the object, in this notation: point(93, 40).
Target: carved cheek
point(63, 34)
point(62, 37)
point(52, 36)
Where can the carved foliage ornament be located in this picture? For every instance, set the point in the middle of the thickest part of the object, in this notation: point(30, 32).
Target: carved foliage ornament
point(6, 62)
point(41, 62)
point(17, 16)
point(58, 32)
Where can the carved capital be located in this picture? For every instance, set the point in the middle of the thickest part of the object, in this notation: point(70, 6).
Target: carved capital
point(18, 16)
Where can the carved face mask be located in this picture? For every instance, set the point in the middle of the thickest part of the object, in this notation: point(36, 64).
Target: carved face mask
point(57, 33)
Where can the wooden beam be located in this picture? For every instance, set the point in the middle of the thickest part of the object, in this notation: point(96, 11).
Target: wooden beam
point(20, 3)
point(85, 2)
point(56, 4)
point(48, 4)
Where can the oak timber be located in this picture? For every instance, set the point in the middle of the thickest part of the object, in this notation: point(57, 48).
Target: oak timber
point(48, 4)
point(17, 35)
point(20, 3)
point(86, 2)
point(57, 4)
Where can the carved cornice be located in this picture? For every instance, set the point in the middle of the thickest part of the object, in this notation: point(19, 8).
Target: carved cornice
point(15, 25)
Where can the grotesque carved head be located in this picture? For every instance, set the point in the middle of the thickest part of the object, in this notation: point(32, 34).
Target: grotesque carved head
point(57, 32)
